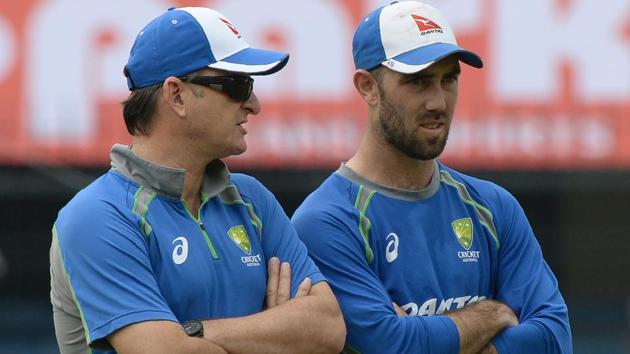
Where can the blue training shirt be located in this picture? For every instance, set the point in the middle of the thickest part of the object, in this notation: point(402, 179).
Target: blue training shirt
point(126, 249)
point(459, 241)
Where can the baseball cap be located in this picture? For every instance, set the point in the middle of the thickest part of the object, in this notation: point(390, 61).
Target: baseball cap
point(407, 37)
point(187, 39)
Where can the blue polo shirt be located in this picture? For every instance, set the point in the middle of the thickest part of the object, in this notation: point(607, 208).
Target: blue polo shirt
point(130, 251)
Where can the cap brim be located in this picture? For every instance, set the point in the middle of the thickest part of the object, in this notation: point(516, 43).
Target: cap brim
point(253, 61)
point(420, 58)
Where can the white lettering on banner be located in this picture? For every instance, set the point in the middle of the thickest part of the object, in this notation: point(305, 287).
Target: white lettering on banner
point(531, 38)
point(333, 138)
point(69, 71)
point(463, 16)
point(428, 308)
point(7, 48)
point(558, 137)
point(316, 33)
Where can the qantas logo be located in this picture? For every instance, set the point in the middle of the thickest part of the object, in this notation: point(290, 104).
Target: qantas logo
point(425, 25)
point(231, 27)
point(431, 307)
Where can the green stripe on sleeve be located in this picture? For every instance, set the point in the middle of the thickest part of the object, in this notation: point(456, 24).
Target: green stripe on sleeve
point(142, 199)
point(361, 203)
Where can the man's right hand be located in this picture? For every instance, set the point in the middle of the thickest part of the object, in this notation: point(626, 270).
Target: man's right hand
point(489, 349)
point(478, 324)
point(279, 283)
point(399, 310)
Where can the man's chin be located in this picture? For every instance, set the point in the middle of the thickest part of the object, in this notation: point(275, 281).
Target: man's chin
point(234, 152)
point(420, 151)
point(426, 153)
point(239, 150)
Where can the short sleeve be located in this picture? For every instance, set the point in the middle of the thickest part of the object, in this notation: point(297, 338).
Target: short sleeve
point(106, 260)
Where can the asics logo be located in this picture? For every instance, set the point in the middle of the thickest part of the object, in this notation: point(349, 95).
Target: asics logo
point(391, 250)
point(180, 252)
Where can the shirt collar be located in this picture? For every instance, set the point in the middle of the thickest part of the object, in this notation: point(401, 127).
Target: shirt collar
point(398, 193)
point(166, 180)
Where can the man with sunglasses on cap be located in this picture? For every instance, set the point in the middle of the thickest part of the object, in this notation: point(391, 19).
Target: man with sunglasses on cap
point(394, 226)
point(169, 252)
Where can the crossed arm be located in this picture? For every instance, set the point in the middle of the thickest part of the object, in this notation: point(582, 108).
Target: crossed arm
point(309, 323)
point(524, 286)
point(478, 324)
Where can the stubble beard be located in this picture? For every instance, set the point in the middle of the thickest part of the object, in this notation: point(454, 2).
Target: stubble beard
point(403, 138)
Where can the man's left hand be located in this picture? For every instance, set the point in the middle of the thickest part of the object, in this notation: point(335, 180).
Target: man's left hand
point(279, 283)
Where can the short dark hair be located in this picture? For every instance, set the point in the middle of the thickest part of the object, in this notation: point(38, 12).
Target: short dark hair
point(139, 107)
point(378, 73)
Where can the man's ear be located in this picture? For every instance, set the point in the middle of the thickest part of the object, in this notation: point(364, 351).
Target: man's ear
point(173, 90)
point(366, 86)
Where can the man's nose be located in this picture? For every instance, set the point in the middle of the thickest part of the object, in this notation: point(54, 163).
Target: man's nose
point(435, 100)
point(252, 104)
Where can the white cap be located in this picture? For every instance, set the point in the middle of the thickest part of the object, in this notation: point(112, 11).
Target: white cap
point(406, 37)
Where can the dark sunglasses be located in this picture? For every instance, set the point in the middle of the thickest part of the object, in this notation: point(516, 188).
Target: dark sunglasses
point(238, 88)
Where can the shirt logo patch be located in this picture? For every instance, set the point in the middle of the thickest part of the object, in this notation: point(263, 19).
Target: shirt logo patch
point(238, 234)
point(391, 250)
point(463, 231)
point(180, 252)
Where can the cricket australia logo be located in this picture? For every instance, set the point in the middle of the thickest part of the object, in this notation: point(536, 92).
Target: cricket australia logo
point(238, 234)
point(463, 229)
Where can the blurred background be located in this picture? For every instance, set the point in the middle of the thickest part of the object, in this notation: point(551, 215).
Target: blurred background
point(548, 118)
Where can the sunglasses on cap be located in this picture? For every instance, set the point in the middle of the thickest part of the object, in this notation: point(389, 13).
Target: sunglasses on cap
point(238, 88)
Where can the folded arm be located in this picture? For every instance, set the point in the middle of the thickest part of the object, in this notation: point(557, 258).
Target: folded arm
point(373, 324)
point(479, 323)
point(305, 324)
point(527, 285)
point(309, 323)
point(160, 337)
